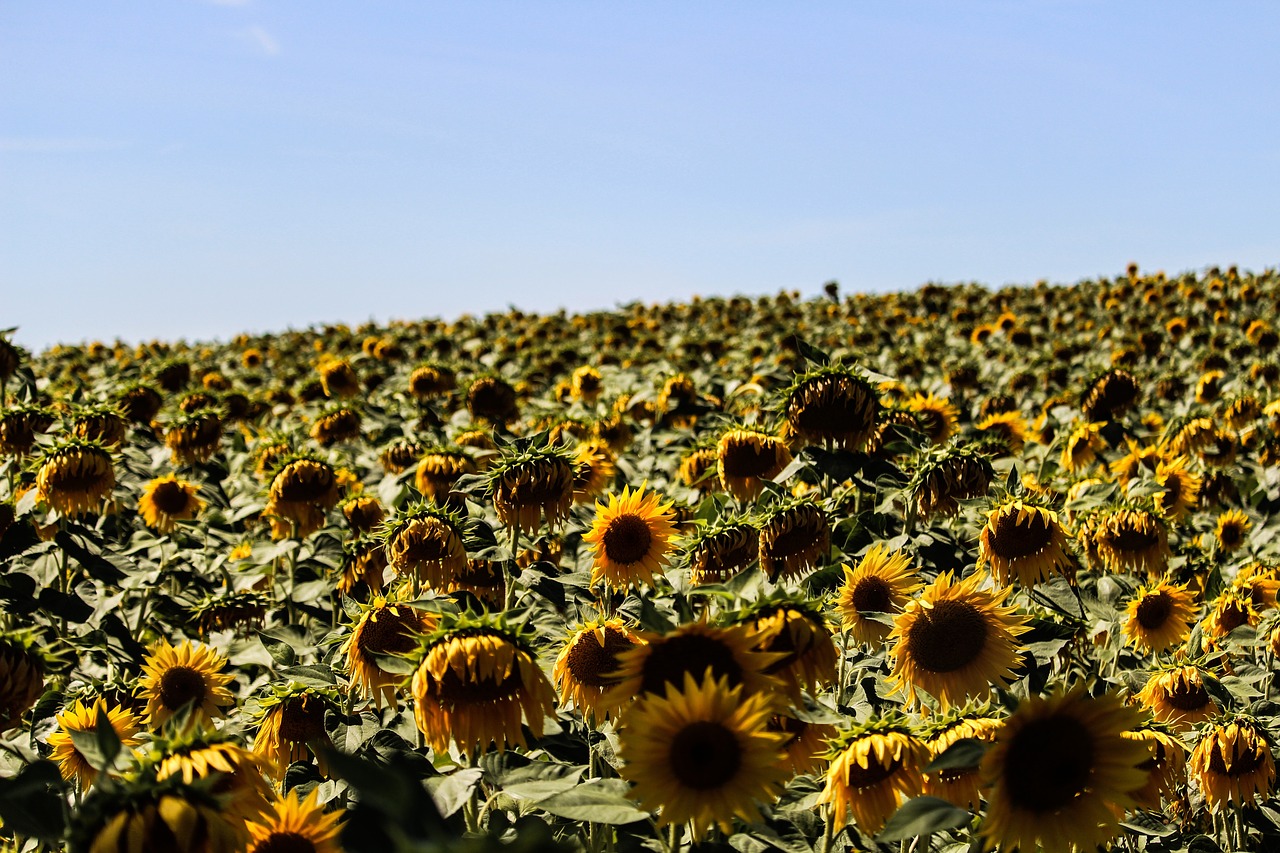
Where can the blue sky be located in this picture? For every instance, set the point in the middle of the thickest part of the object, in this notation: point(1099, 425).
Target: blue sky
point(178, 168)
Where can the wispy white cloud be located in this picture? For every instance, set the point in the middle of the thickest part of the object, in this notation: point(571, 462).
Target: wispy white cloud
point(260, 40)
point(55, 145)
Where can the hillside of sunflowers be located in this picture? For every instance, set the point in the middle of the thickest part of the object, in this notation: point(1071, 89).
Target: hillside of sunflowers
point(946, 570)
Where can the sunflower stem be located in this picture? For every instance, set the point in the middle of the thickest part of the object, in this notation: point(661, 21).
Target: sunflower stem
point(515, 567)
point(844, 666)
point(828, 833)
point(673, 838)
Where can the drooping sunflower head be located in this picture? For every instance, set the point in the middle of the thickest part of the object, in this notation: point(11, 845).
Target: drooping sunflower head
point(1166, 765)
point(190, 677)
point(476, 680)
point(294, 825)
point(956, 641)
point(22, 672)
point(1160, 616)
point(338, 377)
point(425, 543)
point(363, 563)
point(1109, 395)
point(429, 381)
point(630, 538)
point(140, 402)
point(385, 628)
point(1231, 609)
point(100, 422)
point(398, 456)
point(879, 586)
point(79, 717)
point(19, 426)
point(168, 500)
point(1082, 447)
point(874, 767)
point(491, 398)
point(1180, 488)
point(947, 475)
point(959, 785)
point(363, 513)
point(793, 629)
point(75, 477)
point(587, 665)
point(291, 726)
point(439, 468)
point(1128, 539)
point(698, 469)
point(746, 457)
point(532, 483)
point(1138, 459)
point(723, 549)
point(1175, 694)
point(1232, 763)
point(702, 753)
point(194, 436)
point(1023, 541)
point(805, 747)
point(587, 383)
point(1058, 766)
point(302, 490)
point(795, 537)
point(228, 610)
point(335, 426)
point(832, 405)
point(1004, 432)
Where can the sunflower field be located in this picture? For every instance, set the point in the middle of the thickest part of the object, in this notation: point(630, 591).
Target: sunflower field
point(945, 570)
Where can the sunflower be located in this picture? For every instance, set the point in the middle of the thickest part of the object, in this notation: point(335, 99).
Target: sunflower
point(226, 610)
point(166, 501)
point(1160, 617)
point(102, 424)
point(475, 681)
point(936, 417)
point(485, 579)
point(702, 753)
point(1176, 695)
point(586, 384)
point(1232, 763)
point(144, 816)
point(292, 727)
point(1057, 767)
point(385, 628)
point(1139, 458)
point(336, 426)
point(530, 485)
point(430, 381)
point(140, 403)
point(959, 785)
point(424, 543)
point(19, 426)
point(806, 742)
point(302, 491)
point(194, 437)
point(1109, 395)
point(797, 633)
point(78, 718)
point(492, 399)
point(363, 513)
point(1230, 610)
point(1005, 430)
point(745, 458)
point(699, 470)
point(396, 457)
point(882, 583)
point(956, 640)
point(794, 539)
point(630, 538)
point(833, 406)
point(588, 661)
point(594, 469)
point(1082, 448)
point(693, 649)
point(239, 777)
point(364, 561)
point(75, 477)
point(338, 378)
point(189, 674)
point(1165, 765)
point(1180, 488)
point(1129, 539)
point(948, 475)
point(1232, 530)
point(723, 549)
point(22, 671)
point(874, 767)
point(1023, 541)
point(297, 827)
point(439, 469)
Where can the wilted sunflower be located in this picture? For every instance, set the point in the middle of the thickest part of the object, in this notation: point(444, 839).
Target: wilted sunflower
point(531, 484)
point(295, 826)
point(140, 403)
point(384, 629)
point(363, 562)
point(806, 744)
point(936, 417)
point(195, 753)
point(593, 470)
point(832, 406)
point(1231, 609)
point(794, 538)
point(588, 661)
point(1022, 541)
point(797, 633)
point(363, 513)
point(723, 549)
point(698, 469)
point(1180, 488)
point(1232, 530)
point(1160, 617)
point(694, 649)
point(702, 753)
point(1232, 763)
point(476, 680)
point(190, 674)
point(745, 458)
point(22, 670)
point(1058, 766)
point(485, 579)
point(431, 380)
point(396, 458)
point(947, 475)
point(75, 477)
point(1129, 539)
point(1165, 766)
point(336, 426)
point(882, 583)
point(1110, 395)
point(146, 816)
point(302, 491)
point(439, 469)
point(956, 640)
point(98, 423)
point(1006, 430)
point(1175, 694)
point(194, 437)
point(874, 767)
point(19, 426)
point(630, 538)
point(292, 727)
point(424, 543)
point(76, 717)
point(338, 378)
point(492, 399)
point(959, 785)
point(166, 501)
point(586, 383)
point(227, 610)
point(1082, 448)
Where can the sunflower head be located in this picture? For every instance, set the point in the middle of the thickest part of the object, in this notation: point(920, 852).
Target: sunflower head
point(363, 513)
point(429, 381)
point(303, 488)
point(75, 477)
point(936, 417)
point(291, 726)
point(1232, 530)
point(1180, 488)
point(1166, 764)
point(168, 500)
point(722, 549)
point(79, 717)
point(296, 826)
point(880, 585)
point(1160, 616)
point(491, 398)
point(384, 628)
point(795, 537)
point(186, 677)
point(1232, 763)
point(588, 662)
point(364, 560)
point(698, 469)
point(832, 405)
point(532, 481)
point(1023, 541)
point(874, 767)
point(630, 538)
point(1175, 694)
point(194, 436)
point(398, 456)
point(101, 422)
point(796, 632)
point(594, 469)
point(338, 377)
point(746, 457)
point(199, 755)
point(1128, 538)
point(958, 785)
point(947, 475)
point(335, 426)
point(19, 426)
point(1109, 395)
point(439, 468)
point(227, 610)
point(425, 543)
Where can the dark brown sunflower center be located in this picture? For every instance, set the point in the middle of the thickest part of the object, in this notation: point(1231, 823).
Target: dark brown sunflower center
point(426, 541)
point(180, 685)
point(947, 636)
point(627, 539)
point(1013, 540)
point(454, 690)
point(1172, 491)
point(1231, 534)
point(668, 661)
point(284, 842)
point(169, 497)
point(873, 594)
point(865, 777)
point(389, 634)
point(590, 663)
point(1048, 763)
point(1232, 616)
point(705, 755)
point(745, 459)
point(1153, 610)
point(1188, 696)
point(302, 720)
point(838, 408)
point(1132, 539)
point(1247, 758)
